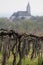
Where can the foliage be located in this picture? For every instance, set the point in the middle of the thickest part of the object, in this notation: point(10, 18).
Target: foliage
point(23, 25)
point(27, 24)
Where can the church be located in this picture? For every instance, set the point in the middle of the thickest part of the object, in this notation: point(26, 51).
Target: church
point(22, 14)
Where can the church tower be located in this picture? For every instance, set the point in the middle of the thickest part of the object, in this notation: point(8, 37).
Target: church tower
point(28, 9)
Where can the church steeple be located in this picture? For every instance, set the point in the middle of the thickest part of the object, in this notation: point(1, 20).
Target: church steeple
point(28, 8)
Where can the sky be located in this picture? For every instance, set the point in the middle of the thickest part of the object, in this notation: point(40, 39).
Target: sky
point(8, 7)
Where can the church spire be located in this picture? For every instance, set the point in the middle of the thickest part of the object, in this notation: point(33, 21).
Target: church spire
point(28, 8)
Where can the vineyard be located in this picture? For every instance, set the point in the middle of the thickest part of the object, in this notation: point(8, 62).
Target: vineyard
point(20, 48)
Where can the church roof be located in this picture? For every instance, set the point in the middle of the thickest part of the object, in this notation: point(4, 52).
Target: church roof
point(21, 13)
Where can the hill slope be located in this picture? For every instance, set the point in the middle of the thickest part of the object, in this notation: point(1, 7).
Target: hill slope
point(27, 25)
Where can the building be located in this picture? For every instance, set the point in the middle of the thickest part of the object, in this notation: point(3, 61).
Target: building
point(22, 14)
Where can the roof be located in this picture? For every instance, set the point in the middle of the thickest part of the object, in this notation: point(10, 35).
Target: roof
point(21, 13)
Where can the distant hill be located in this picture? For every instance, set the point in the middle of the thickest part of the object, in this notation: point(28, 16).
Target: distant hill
point(5, 23)
point(28, 25)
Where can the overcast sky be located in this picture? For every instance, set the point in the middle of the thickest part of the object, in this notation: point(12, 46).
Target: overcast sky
point(7, 7)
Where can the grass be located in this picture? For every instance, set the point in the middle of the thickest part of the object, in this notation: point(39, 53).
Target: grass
point(25, 61)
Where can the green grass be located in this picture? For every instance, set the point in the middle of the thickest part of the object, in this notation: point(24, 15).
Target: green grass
point(25, 61)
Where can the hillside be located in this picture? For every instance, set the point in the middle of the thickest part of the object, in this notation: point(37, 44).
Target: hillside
point(30, 25)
